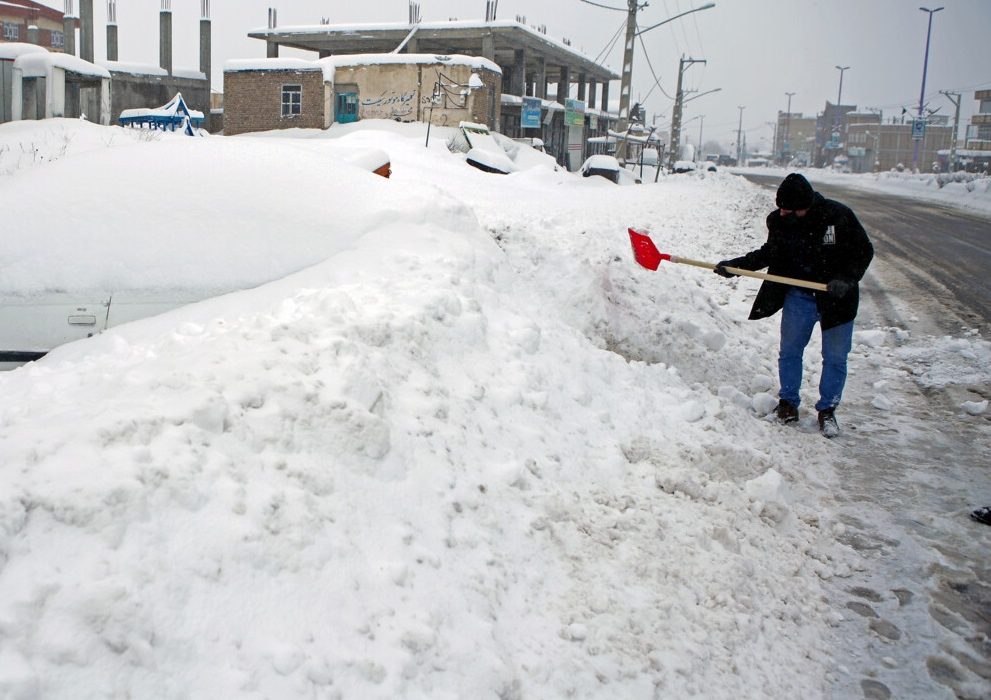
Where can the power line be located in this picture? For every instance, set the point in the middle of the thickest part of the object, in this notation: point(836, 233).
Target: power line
point(607, 7)
point(612, 42)
point(657, 81)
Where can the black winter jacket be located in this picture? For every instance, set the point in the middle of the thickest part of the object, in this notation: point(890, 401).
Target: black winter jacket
point(828, 243)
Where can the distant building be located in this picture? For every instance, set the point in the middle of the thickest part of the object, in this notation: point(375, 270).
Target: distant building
point(794, 138)
point(29, 22)
point(875, 146)
point(71, 86)
point(976, 153)
point(283, 93)
point(830, 133)
point(528, 58)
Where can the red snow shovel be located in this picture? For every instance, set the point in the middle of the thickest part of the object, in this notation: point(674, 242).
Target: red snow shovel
point(648, 256)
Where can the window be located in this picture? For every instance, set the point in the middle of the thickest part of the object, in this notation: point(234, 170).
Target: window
point(58, 40)
point(11, 31)
point(292, 100)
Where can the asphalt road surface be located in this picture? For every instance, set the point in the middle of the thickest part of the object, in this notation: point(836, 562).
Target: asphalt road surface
point(934, 255)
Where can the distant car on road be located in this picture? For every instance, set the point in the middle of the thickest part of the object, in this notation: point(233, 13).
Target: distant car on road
point(684, 166)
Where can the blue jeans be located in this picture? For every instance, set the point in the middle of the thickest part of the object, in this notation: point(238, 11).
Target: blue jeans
point(798, 318)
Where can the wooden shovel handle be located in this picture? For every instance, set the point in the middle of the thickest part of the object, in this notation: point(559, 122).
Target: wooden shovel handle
point(818, 286)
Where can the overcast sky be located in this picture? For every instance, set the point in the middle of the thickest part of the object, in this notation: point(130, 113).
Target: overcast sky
point(756, 50)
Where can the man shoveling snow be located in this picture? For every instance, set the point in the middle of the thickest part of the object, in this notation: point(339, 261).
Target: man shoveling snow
point(811, 238)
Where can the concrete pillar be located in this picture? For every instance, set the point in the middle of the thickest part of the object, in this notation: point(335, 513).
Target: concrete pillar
point(592, 92)
point(413, 46)
point(488, 47)
point(605, 96)
point(517, 84)
point(206, 48)
point(165, 40)
point(69, 34)
point(273, 50)
point(112, 42)
point(582, 82)
point(86, 30)
point(564, 84)
point(541, 78)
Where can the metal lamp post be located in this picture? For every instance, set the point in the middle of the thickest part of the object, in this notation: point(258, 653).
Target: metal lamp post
point(922, 95)
point(785, 146)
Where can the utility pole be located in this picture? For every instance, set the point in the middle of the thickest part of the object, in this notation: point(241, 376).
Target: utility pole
point(701, 121)
point(922, 94)
point(785, 145)
point(739, 136)
point(679, 98)
point(633, 6)
point(956, 126)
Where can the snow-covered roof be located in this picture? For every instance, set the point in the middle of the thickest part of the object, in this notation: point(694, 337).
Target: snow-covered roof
point(369, 59)
point(330, 64)
point(422, 26)
point(133, 68)
point(36, 65)
point(234, 65)
point(190, 73)
point(15, 49)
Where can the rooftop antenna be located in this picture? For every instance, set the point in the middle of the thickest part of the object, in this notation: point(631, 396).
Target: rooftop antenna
point(166, 5)
point(111, 11)
point(491, 7)
point(414, 12)
point(70, 11)
point(273, 18)
point(204, 9)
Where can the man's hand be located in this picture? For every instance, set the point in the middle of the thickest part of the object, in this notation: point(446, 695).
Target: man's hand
point(721, 270)
point(839, 288)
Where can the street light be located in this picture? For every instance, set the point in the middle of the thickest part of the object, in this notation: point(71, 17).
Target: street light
point(839, 95)
point(634, 6)
point(922, 94)
point(784, 142)
point(739, 135)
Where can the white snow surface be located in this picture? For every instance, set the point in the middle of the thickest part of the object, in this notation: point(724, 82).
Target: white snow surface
point(458, 445)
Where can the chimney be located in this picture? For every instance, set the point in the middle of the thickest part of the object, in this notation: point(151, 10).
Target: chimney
point(32, 33)
point(205, 41)
point(86, 30)
point(273, 22)
point(69, 28)
point(165, 37)
point(112, 30)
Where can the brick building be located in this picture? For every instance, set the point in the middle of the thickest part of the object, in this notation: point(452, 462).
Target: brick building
point(30, 22)
point(284, 93)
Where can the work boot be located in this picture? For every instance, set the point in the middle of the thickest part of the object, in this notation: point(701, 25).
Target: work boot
point(785, 412)
point(827, 423)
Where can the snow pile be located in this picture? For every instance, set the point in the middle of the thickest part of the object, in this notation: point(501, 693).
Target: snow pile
point(974, 192)
point(471, 450)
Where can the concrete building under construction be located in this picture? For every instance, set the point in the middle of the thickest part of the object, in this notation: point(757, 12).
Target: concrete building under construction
point(41, 81)
point(530, 60)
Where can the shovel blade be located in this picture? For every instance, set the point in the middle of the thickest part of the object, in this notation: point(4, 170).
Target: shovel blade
point(644, 250)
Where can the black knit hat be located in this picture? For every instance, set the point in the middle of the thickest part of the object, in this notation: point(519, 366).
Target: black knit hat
point(795, 193)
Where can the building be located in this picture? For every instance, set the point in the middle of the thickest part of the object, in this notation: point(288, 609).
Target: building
point(830, 133)
point(976, 153)
point(132, 86)
point(875, 146)
point(29, 22)
point(530, 62)
point(795, 137)
point(283, 93)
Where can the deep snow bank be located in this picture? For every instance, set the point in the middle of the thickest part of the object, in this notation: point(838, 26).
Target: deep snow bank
point(474, 452)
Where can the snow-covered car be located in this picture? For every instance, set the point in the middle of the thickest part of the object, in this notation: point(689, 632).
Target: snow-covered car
point(684, 166)
point(603, 166)
point(711, 167)
point(54, 291)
